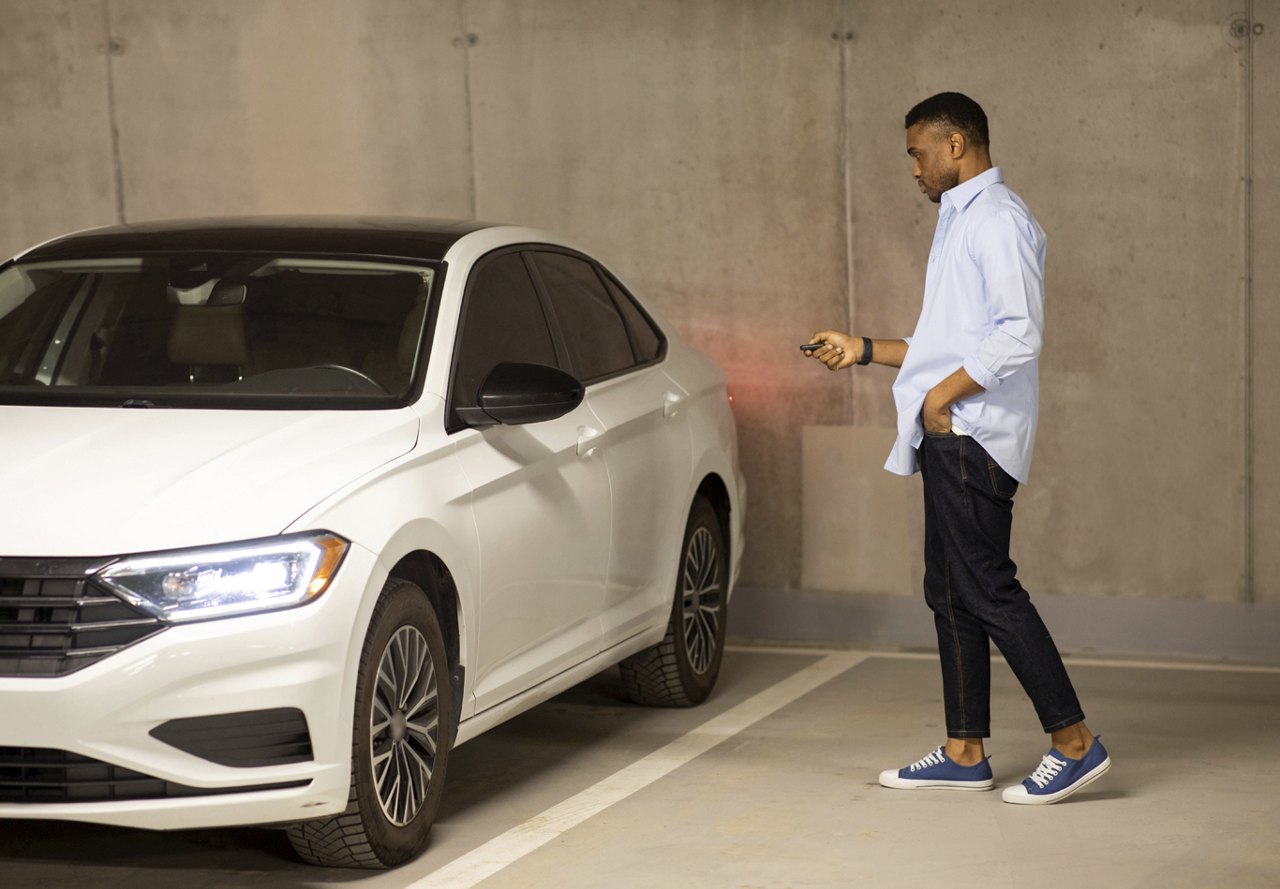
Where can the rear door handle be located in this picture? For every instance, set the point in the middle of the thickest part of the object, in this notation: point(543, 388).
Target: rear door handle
point(587, 436)
point(671, 404)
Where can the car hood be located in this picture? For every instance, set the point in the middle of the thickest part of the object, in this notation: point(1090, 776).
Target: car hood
point(98, 482)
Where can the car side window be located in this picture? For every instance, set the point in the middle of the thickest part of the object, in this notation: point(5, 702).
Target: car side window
point(594, 332)
point(502, 321)
point(645, 338)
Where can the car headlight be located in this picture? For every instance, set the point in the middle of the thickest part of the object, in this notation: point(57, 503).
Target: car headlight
point(229, 580)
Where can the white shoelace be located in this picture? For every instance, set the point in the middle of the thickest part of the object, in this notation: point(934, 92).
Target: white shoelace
point(1047, 770)
point(933, 758)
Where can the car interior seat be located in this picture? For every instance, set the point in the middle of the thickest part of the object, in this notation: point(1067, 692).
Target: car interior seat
point(209, 340)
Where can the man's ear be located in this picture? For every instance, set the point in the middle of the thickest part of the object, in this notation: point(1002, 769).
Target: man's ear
point(956, 146)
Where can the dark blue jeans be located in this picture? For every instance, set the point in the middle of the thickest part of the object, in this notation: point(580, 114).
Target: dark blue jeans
point(971, 585)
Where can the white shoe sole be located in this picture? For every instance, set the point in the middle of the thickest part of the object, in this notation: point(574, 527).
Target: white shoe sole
point(1019, 797)
point(890, 779)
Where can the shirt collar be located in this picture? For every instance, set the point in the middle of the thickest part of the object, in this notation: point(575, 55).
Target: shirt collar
point(963, 194)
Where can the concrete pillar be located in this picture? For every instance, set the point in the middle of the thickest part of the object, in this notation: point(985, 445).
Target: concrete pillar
point(1264, 143)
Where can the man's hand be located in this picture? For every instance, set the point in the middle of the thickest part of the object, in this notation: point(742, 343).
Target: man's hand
point(840, 351)
point(936, 413)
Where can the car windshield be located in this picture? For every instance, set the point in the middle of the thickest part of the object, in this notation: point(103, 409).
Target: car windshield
point(212, 330)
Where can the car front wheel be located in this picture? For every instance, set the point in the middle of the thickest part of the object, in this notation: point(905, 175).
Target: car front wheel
point(681, 670)
point(404, 714)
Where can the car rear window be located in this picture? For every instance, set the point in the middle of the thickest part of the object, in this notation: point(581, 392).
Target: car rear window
point(593, 329)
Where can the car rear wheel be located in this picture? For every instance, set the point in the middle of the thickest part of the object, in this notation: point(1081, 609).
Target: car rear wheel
point(681, 670)
point(403, 724)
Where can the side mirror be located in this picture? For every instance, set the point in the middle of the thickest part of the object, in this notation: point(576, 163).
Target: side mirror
point(227, 293)
point(515, 394)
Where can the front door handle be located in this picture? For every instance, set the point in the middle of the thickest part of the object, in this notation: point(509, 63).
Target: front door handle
point(671, 404)
point(587, 436)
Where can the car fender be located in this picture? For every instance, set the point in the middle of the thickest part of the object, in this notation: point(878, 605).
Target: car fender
point(438, 521)
point(716, 453)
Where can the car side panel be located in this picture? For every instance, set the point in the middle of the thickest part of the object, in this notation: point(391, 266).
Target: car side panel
point(647, 450)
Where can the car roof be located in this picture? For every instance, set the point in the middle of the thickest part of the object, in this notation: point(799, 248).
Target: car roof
point(385, 236)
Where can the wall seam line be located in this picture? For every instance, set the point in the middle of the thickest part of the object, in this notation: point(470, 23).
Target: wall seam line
point(846, 173)
point(109, 50)
point(466, 42)
point(1250, 525)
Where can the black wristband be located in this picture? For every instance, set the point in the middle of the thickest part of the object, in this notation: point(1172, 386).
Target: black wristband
point(866, 352)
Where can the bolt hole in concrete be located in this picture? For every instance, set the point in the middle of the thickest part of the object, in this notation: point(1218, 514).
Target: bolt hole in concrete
point(1239, 27)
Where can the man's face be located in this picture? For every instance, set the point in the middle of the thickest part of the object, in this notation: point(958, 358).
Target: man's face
point(934, 169)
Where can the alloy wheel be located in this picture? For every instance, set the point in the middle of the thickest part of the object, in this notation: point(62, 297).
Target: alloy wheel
point(404, 726)
point(702, 599)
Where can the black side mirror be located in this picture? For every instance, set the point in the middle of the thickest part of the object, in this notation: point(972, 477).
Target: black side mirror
point(227, 293)
point(515, 394)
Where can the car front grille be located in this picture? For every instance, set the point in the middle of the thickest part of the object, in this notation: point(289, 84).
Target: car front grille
point(39, 775)
point(54, 620)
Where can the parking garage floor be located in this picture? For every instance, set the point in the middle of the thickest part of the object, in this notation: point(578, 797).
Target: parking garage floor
point(772, 783)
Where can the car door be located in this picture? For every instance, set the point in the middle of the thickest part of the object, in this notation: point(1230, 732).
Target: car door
point(645, 438)
point(540, 498)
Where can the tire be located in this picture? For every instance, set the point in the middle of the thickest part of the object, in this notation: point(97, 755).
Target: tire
point(404, 716)
point(681, 670)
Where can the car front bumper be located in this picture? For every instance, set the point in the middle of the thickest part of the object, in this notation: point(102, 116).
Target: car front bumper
point(302, 659)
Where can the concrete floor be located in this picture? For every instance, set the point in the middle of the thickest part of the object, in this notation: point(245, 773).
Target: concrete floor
point(772, 783)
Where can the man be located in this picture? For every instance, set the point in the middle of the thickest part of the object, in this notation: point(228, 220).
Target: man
point(967, 395)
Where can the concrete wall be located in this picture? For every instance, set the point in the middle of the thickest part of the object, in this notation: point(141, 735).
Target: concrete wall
point(741, 163)
point(56, 169)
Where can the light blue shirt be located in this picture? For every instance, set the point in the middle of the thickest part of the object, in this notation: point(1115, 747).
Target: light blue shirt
point(983, 310)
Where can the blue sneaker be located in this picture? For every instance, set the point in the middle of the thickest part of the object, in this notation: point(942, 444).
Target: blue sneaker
point(937, 770)
point(1057, 777)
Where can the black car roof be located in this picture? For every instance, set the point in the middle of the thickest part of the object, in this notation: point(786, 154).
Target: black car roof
point(403, 237)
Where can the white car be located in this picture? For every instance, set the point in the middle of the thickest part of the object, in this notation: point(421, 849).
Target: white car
point(294, 506)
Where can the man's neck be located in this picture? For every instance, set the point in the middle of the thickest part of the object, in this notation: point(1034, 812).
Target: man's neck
point(979, 165)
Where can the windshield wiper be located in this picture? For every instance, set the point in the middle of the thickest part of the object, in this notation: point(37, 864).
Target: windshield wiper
point(138, 402)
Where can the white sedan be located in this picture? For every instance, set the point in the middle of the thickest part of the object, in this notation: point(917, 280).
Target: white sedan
point(294, 506)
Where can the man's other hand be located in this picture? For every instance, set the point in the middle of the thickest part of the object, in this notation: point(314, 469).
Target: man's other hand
point(936, 413)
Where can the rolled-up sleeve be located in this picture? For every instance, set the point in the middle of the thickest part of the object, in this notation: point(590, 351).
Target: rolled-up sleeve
point(1009, 251)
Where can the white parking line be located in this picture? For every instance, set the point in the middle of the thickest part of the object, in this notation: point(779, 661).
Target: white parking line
point(1072, 659)
point(504, 850)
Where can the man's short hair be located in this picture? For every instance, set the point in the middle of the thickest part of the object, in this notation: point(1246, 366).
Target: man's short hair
point(955, 111)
